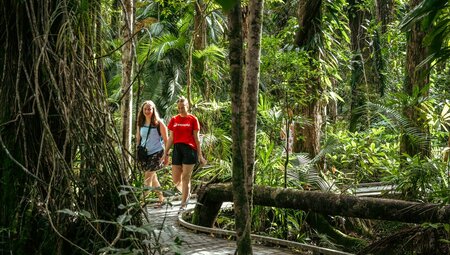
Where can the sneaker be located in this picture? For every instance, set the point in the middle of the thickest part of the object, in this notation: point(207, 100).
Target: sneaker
point(184, 205)
point(182, 209)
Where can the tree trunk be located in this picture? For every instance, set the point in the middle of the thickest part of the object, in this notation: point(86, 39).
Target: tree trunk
point(308, 15)
point(54, 122)
point(384, 10)
point(384, 13)
point(199, 35)
point(127, 76)
point(115, 19)
point(379, 68)
point(244, 105)
point(307, 138)
point(416, 80)
point(98, 44)
point(236, 74)
point(324, 203)
point(358, 14)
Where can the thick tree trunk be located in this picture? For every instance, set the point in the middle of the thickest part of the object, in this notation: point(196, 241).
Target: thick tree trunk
point(53, 114)
point(127, 74)
point(310, 133)
point(379, 65)
point(360, 71)
point(384, 13)
point(308, 15)
point(307, 138)
point(384, 10)
point(324, 203)
point(417, 78)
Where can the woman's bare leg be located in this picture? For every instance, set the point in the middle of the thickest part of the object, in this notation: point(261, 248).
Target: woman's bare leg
point(151, 180)
point(186, 183)
point(156, 184)
point(148, 176)
point(177, 170)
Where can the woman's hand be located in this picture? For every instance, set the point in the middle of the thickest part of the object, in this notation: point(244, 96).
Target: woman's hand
point(165, 159)
point(202, 160)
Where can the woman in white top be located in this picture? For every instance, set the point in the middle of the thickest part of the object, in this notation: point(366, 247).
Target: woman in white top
point(152, 133)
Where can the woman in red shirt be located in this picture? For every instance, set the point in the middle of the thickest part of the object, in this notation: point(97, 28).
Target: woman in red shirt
point(183, 135)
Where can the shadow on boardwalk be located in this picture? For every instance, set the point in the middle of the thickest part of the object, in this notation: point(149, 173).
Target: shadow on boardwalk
point(175, 239)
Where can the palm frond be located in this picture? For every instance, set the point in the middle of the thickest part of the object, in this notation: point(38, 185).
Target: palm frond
point(216, 24)
point(434, 15)
point(424, 9)
point(212, 52)
point(398, 123)
point(165, 43)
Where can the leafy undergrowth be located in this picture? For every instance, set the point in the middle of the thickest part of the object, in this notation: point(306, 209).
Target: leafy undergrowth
point(383, 237)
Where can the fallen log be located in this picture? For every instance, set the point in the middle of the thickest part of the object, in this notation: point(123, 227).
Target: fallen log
point(211, 199)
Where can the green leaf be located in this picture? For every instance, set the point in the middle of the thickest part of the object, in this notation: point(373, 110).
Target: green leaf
point(105, 221)
point(67, 211)
point(123, 218)
point(445, 112)
point(132, 228)
point(123, 192)
point(85, 214)
point(336, 96)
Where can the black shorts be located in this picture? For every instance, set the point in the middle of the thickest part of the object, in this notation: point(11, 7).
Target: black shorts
point(153, 162)
point(183, 154)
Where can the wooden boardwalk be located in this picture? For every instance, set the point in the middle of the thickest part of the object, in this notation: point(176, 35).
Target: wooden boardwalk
point(172, 238)
point(172, 235)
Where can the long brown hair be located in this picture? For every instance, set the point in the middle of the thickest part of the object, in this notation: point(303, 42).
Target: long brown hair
point(141, 117)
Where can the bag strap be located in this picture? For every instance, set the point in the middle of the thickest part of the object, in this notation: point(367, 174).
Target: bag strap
point(148, 132)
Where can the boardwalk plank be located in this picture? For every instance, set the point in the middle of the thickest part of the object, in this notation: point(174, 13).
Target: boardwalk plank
point(189, 242)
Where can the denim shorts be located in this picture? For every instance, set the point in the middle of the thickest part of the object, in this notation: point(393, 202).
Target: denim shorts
point(183, 154)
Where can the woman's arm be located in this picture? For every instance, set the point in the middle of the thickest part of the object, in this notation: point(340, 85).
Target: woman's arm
point(167, 146)
point(138, 135)
point(199, 148)
point(163, 130)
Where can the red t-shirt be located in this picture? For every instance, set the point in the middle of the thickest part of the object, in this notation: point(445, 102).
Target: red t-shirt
point(183, 129)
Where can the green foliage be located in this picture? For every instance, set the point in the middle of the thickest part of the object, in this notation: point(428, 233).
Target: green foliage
point(422, 179)
point(433, 16)
point(162, 45)
point(364, 156)
point(141, 235)
point(269, 168)
point(279, 223)
point(215, 122)
point(214, 71)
